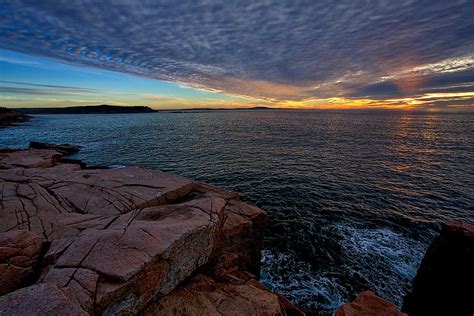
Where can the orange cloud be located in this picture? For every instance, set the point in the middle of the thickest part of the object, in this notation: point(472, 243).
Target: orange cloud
point(254, 89)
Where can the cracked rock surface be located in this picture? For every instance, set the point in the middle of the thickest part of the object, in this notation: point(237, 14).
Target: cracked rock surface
point(124, 241)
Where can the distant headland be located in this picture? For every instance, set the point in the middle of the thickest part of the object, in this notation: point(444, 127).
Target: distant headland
point(9, 117)
point(116, 109)
point(196, 110)
point(88, 109)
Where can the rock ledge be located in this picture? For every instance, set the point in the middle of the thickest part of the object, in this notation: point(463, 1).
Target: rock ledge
point(124, 241)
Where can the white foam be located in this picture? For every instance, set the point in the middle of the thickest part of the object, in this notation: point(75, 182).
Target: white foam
point(295, 279)
point(386, 260)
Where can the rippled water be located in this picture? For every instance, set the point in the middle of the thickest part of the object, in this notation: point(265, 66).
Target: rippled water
point(353, 197)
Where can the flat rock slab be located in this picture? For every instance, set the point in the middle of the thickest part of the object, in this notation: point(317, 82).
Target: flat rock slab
point(118, 191)
point(37, 199)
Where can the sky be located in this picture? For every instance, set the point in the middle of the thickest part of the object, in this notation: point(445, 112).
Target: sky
point(407, 54)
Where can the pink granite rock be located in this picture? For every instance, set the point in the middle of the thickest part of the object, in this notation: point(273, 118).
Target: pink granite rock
point(204, 296)
point(118, 191)
point(122, 238)
point(140, 255)
point(369, 304)
point(37, 199)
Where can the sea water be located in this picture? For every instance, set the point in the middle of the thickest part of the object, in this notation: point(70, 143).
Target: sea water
point(353, 197)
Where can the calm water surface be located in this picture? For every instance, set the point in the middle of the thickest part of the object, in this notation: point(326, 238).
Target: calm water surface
point(353, 198)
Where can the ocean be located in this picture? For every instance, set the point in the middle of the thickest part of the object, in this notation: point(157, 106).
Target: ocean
point(353, 198)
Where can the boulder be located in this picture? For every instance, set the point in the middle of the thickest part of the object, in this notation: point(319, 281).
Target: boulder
point(443, 284)
point(20, 251)
point(202, 295)
point(368, 304)
point(242, 236)
point(65, 149)
point(29, 158)
point(141, 255)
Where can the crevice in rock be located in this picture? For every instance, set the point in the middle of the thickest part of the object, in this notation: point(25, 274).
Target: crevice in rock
point(37, 268)
point(82, 260)
point(111, 222)
point(138, 185)
point(193, 195)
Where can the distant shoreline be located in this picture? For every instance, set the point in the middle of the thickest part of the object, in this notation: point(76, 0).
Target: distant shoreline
point(88, 109)
point(116, 109)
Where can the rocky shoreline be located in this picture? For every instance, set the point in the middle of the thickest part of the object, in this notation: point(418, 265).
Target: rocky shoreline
point(125, 241)
point(77, 241)
point(11, 118)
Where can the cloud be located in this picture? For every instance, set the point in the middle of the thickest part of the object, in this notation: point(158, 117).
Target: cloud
point(15, 90)
point(287, 51)
point(44, 89)
point(413, 86)
point(445, 66)
point(18, 61)
point(66, 88)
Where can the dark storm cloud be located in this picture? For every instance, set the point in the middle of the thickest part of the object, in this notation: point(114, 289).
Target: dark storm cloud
point(272, 49)
point(381, 90)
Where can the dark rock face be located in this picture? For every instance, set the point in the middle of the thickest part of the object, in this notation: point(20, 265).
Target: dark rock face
point(124, 241)
point(444, 282)
point(369, 304)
